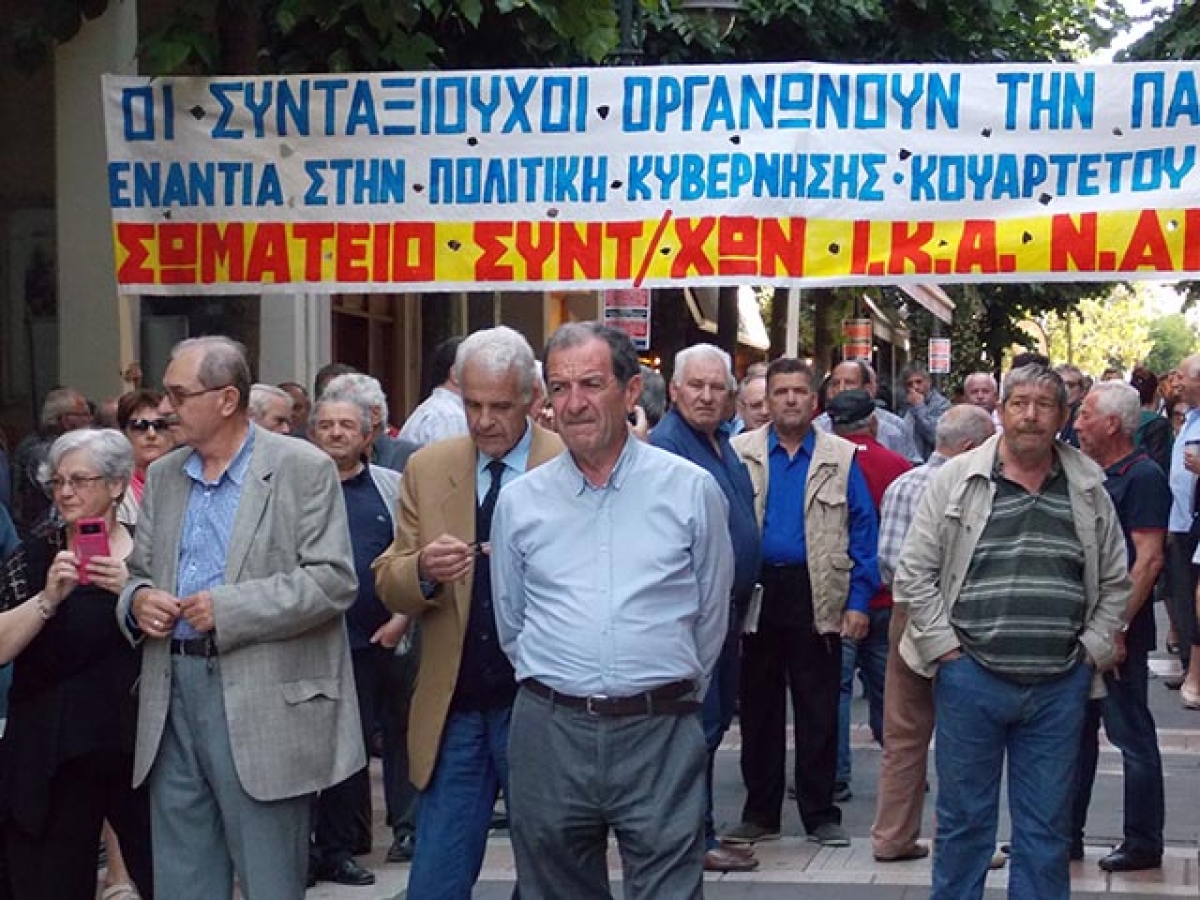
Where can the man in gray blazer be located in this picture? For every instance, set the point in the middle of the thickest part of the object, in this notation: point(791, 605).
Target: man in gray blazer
point(240, 575)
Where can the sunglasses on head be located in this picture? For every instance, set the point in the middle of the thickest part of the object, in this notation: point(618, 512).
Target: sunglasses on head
point(147, 424)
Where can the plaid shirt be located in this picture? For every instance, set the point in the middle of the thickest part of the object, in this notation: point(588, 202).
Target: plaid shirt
point(896, 514)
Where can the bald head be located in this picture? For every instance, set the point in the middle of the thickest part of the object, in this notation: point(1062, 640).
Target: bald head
point(962, 428)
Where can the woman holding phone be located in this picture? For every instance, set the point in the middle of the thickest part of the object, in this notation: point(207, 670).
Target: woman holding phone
point(66, 758)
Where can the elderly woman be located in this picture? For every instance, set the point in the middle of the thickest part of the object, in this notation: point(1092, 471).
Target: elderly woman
point(66, 758)
point(139, 419)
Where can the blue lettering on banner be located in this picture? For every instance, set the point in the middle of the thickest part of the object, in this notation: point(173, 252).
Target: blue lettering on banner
point(154, 185)
point(726, 176)
point(522, 179)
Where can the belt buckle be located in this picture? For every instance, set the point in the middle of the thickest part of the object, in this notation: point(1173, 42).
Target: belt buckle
point(590, 704)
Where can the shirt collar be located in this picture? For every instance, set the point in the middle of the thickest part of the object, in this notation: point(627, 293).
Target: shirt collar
point(517, 458)
point(616, 478)
point(235, 471)
point(806, 445)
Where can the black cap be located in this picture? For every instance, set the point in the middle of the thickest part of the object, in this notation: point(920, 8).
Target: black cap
point(851, 406)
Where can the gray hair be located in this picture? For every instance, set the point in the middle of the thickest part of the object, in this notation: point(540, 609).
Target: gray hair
point(222, 363)
point(259, 393)
point(1063, 368)
point(357, 402)
point(499, 351)
point(706, 351)
point(58, 402)
point(625, 363)
point(1035, 374)
point(1116, 398)
point(360, 388)
point(991, 379)
point(108, 449)
point(1189, 365)
point(963, 424)
point(653, 398)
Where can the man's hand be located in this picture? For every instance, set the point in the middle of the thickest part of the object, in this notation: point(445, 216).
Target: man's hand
point(915, 396)
point(155, 612)
point(855, 625)
point(1120, 650)
point(445, 559)
point(390, 632)
point(198, 610)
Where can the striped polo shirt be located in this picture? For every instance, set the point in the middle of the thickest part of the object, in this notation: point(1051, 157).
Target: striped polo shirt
point(1022, 604)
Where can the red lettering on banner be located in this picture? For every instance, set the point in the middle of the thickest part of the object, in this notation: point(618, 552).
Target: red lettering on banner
point(737, 246)
point(489, 238)
point(535, 243)
point(269, 254)
point(1191, 246)
point(1073, 244)
point(908, 247)
point(222, 245)
point(860, 248)
point(313, 236)
point(1147, 246)
point(782, 246)
point(581, 248)
point(977, 247)
point(692, 234)
point(352, 238)
point(133, 238)
point(177, 253)
point(410, 266)
point(623, 235)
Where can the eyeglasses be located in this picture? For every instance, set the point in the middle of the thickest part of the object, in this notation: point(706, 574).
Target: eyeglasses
point(1070, 385)
point(147, 424)
point(178, 395)
point(76, 482)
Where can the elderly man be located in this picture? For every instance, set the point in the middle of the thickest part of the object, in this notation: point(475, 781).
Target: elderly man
point(982, 391)
point(694, 429)
point(1107, 422)
point(752, 409)
point(271, 408)
point(1015, 573)
point(855, 418)
point(924, 405)
point(437, 570)
point(240, 574)
point(342, 429)
point(818, 575)
point(613, 567)
point(440, 415)
point(383, 450)
point(301, 406)
point(907, 696)
point(891, 430)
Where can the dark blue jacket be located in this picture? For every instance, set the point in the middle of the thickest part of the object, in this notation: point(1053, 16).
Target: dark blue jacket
point(675, 435)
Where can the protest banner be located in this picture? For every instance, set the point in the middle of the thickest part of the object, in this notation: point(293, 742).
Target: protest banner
point(784, 174)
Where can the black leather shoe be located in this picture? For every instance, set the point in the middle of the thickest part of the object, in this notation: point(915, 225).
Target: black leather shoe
point(1123, 860)
point(402, 849)
point(347, 872)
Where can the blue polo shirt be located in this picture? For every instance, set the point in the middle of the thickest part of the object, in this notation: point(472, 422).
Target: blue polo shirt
point(783, 540)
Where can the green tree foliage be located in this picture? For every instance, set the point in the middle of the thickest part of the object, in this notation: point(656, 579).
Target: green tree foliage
point(1109, 330)
point(1173, 337)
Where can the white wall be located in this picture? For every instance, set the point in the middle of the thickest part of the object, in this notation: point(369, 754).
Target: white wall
point(89, 333)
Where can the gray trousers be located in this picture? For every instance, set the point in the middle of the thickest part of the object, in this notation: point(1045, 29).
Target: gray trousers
point(573, 777)
point(204, 825)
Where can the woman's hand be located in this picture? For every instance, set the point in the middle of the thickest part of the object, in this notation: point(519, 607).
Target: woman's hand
point(108, 572)
point(61, 578)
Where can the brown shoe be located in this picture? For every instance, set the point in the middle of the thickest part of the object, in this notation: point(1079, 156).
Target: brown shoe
point(916, 851)
point(723, 859)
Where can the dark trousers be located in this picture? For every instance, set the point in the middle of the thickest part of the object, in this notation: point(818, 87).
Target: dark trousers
point(60, 862)
point(1129, 724)
point(1181, 591)
point(342, 821)
point(774, 659)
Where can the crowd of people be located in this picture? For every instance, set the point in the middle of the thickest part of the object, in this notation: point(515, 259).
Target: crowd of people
point(557, 584)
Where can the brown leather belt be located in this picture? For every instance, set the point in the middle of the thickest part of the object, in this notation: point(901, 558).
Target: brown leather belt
point(667, 700)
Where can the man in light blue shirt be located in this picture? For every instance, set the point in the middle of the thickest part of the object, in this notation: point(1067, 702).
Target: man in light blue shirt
point(611, 569)
point(1181, 534)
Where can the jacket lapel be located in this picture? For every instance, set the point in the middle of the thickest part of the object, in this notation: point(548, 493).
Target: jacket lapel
point(252, 507)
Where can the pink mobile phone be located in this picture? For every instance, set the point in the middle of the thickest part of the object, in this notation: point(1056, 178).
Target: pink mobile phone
point(91, 539)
